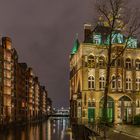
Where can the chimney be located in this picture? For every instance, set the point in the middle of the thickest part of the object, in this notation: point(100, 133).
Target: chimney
point(87, 33)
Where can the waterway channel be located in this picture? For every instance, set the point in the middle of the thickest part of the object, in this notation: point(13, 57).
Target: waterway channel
point(52, 129)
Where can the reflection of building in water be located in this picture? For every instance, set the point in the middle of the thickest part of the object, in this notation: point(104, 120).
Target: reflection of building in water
point(54, 127)
point(37, 133)
point(41, 131)
point(63, 129)
point(58, 127)
point(48, 130)
point(69, 134)
point(23, 136)
point(64, 124)
point(44, 128)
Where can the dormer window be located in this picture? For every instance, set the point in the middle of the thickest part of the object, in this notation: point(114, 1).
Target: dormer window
point(101, 61)
point(132, 43)
point(91, 61)
point(97, 39)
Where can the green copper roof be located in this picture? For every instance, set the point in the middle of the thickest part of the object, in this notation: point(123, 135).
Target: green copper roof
point(132, 42)
point(75, 47)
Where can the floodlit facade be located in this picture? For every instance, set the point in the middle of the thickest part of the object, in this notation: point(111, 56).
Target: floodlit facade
point(6, 79)
point(36, 96)
point(30, 88)
point(20, 94)
point(43, 101)
point(88, 77)
point(49, 106)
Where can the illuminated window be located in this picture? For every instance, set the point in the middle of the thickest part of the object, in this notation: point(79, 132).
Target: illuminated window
point(91, 103)
point(114, 38)
point(101, 83)
point(101, 61)
point(128, 84)
point(137, 62)
point(132, 43)
point(113, 64)
point(119, 81)
point(113, 82)
point(85, 99)
point(128, 63)
point(117, 38)
point(83, 113)
point(91, 82)
point(91, 61)
point(138, 84)
point(97, 39)
point(137, 103)
point(119, 62)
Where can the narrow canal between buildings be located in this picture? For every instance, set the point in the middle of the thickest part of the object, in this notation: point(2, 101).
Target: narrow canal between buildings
point(52, 129)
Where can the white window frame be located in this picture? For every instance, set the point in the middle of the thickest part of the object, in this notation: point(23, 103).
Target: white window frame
point(128, 64)
point(137, 64)
point(137, 84)
point(128, 84)
point(102, 83)
point(119, 82)
point(101, 61)
point(113, 83)
point(91, 82)
point(91, 61)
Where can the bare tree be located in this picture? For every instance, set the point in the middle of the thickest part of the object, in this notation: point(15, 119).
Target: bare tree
point(118, 18)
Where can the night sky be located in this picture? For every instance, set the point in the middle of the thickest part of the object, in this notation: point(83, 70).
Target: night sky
point(43, 32)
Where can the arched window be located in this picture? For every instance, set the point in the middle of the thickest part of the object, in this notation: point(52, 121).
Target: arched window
point(101, 61)
point(85, 99)
point(119, 82)
point(128, 63)
point(113, 82)
point(91, 61)
point(128, 84)
point(119, 62)
point(91, 82)
point(91, 102)
point(138, 84)
point(113, 62)
point(137, 63)
point(101, 83)
point(137, 103)
point(137, 107)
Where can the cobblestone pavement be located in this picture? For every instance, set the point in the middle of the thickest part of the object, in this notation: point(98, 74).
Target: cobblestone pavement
point(117, 135)
point(124, 132)
point(120, 132)
point(129, 129)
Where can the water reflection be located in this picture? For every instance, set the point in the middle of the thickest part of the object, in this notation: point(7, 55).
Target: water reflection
point(53, 129)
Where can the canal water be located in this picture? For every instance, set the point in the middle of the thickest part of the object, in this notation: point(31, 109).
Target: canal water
point(52, 129)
